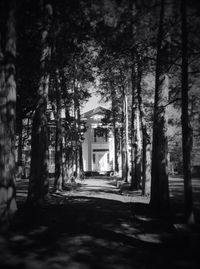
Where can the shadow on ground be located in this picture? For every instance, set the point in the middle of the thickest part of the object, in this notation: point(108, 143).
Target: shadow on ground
point(93, 233)
point(87, 232)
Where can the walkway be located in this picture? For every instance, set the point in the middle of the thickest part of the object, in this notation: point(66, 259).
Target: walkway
point(104, 188)
point(94, 226)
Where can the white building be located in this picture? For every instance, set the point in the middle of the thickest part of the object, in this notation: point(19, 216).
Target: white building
point(98, 146)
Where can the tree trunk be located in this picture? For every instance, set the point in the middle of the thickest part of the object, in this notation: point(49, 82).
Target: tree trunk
point(124, 139)
point(113, 104)
point(20, 149)
point(38, 181)
point(81, 159)
point(58, 143)
point(80, 151)
point(159, 185)
point(7, 121)
point(133, 78)
point(137, 151)
point(127, 139)
point(135, 147)
point(186, 128)
point(145, 138)
point(66, 138)
point(75, 138)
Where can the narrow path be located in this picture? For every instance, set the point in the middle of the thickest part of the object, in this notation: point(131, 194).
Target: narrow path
point(104, 188)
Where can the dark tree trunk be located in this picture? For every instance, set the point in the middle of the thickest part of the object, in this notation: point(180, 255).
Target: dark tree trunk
point(135, 147)
point(58, 183)
point(159, 182)
point(38, 181)
point(113, 103)
point(186, 128)
point(81, 159)
point(20, 148)
point(7, 120)
point(75, 138)
point(80, 151)
point(66, 138)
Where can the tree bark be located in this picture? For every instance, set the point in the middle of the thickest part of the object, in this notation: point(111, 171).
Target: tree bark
point(159, 184)
point(8, 120)
point(38, 181)
point(145, 138)
point(137, 151)
point(135, 129)
point(75, 138)
point(124, 138)
point(20, 148)
point(113, 103)
point(80, 151)
point(133, 84)
point(58, 143)
point(186, 128)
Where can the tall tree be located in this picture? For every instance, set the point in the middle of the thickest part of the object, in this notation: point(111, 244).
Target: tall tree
point(145, 136)
point(20, 147)
point(38, 181)
point(7, 118)
point(186, 128)
point(124, 136)
point(159, 184)
point(114, 123)
point(135, 134)
point(58, 143)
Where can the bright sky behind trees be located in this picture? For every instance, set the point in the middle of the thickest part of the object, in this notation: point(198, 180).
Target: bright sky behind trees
point(93, 102)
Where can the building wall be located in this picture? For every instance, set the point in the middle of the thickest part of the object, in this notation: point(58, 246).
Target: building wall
point(98, 154)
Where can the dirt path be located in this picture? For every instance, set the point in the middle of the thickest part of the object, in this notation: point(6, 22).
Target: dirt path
point(104, 188)
point(87, 228)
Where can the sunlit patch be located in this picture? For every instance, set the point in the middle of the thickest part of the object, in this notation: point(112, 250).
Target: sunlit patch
point(78, 200)
point(59, 260)
point(129, 228)
point(40, 230)
point(143, 218)
point(150, 238)
point(18, 238)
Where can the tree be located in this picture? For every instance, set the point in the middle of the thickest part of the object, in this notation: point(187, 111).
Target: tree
point(124, 135)
point(186, 128)
point(38, 181)
point(27, 73)
point(145, 136)
point(58, 183)
point(135, 124)
point(7, 118)
point(114, 124)
point(159, 179)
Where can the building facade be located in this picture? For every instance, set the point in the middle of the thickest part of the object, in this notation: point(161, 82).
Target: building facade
point(98, 144)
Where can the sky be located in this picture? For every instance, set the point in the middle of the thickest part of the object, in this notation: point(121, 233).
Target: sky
point(93, 102)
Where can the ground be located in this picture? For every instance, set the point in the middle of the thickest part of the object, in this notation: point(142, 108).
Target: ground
point(96, 224)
